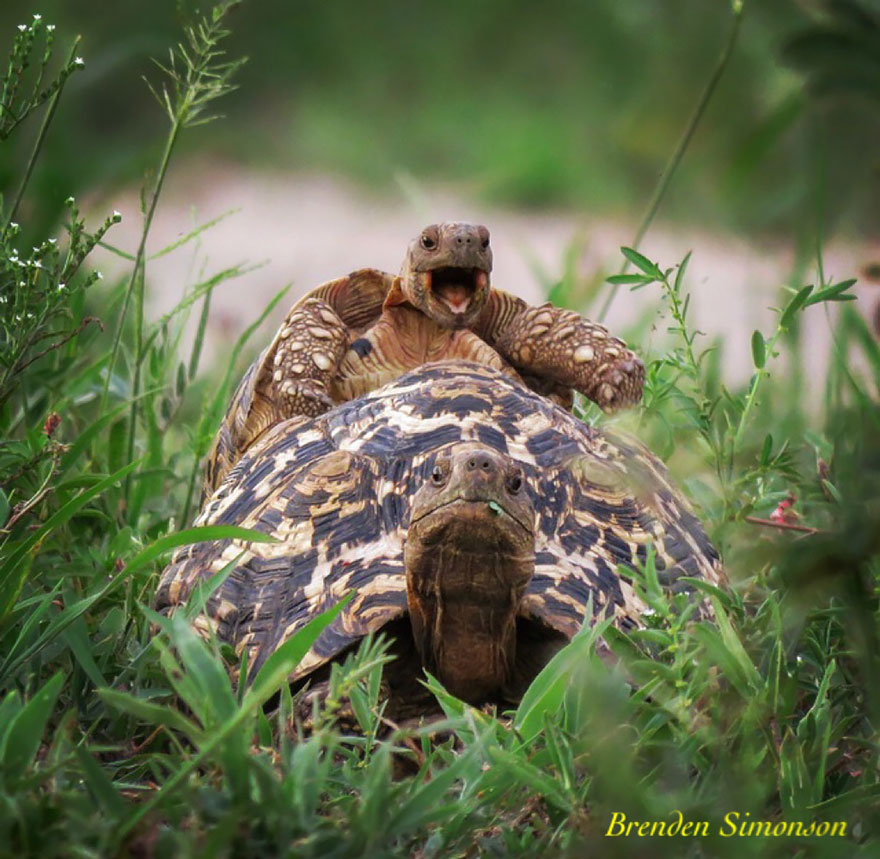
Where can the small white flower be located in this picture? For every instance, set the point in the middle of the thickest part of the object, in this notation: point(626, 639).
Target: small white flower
point(117, 213)
point(50, 27)
point(13, 225)
point(37, 264)
point(61, 287)
point(51, 241)
point(69, 201)
point(100, 276)
point(22, 27)
point(79, 61)
point(3, 297)
point(38, 17)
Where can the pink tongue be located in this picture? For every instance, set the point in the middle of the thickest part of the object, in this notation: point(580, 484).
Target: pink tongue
point(457, 297)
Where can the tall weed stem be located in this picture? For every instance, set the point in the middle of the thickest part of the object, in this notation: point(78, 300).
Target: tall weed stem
point(680, 149)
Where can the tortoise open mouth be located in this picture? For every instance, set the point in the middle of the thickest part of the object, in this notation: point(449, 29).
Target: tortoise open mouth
point(456, 287)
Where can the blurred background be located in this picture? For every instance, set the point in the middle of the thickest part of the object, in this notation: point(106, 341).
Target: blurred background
point(355, 124)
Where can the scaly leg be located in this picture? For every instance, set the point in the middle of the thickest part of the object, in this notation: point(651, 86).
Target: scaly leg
point(563, 347)
point(308, 349)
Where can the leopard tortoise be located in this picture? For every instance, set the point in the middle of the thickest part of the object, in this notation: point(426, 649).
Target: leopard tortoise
point(352, 335)
point(472, 518)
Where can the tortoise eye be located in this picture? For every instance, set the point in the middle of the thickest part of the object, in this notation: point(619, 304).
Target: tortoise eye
point(428, 242)
point(438, 476)
point(514, 483)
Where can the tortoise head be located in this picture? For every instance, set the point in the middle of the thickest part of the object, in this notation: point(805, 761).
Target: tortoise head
point(469, 557)
point(446, 273)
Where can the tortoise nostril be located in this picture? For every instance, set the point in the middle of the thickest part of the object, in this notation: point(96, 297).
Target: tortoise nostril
point(482, 462)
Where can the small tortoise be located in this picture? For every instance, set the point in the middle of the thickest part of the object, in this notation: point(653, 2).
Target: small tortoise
point(354, 334)
point(471, 517)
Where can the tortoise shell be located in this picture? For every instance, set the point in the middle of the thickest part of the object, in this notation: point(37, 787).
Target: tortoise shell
point(336, 491)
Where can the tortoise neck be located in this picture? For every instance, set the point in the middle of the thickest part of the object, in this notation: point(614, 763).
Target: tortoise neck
point(464, 593)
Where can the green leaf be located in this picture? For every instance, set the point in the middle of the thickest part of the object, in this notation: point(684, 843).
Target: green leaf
point(26, 731)
point(547, 691)
point(525, 773)
point(152, 714)
point(282, 663)
point(640, 261)
point(4, 508)
point(451, 706)
point(10, 707)
point(192, 234)
point(766, 450)
point(99, 784)
point(639, 279)
point(201, 593)
point(679, 276)
point(11, 585)
point(200, 534)
point(834, 292)
point(794, 306)
point(726, 648)
point(759, 349)
point(214, 700)
point(425, 804)
point(77, 638)
point(794, 780)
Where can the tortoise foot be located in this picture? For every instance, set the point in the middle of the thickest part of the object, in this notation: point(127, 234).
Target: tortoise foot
point(563, 347)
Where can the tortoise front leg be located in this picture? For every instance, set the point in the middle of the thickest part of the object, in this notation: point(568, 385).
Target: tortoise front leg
point(308, 350)
point(563, 347)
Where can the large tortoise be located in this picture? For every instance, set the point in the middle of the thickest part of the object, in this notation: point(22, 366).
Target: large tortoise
point(354, 334)
point(471, 517)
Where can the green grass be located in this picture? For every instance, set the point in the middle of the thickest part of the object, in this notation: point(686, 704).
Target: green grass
point(121, 733)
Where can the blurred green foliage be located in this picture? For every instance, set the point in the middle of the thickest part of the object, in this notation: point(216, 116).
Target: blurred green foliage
point(562, 103)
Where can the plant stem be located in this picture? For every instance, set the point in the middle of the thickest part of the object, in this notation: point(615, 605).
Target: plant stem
point(41, 136)
point(760, 373)
point(785, 526)
point(680, 149)
point(136, 286)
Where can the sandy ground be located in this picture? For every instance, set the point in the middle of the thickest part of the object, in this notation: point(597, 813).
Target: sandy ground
point(306, 229)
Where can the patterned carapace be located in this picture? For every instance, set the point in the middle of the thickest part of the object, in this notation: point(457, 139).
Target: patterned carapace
point(337, 491)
